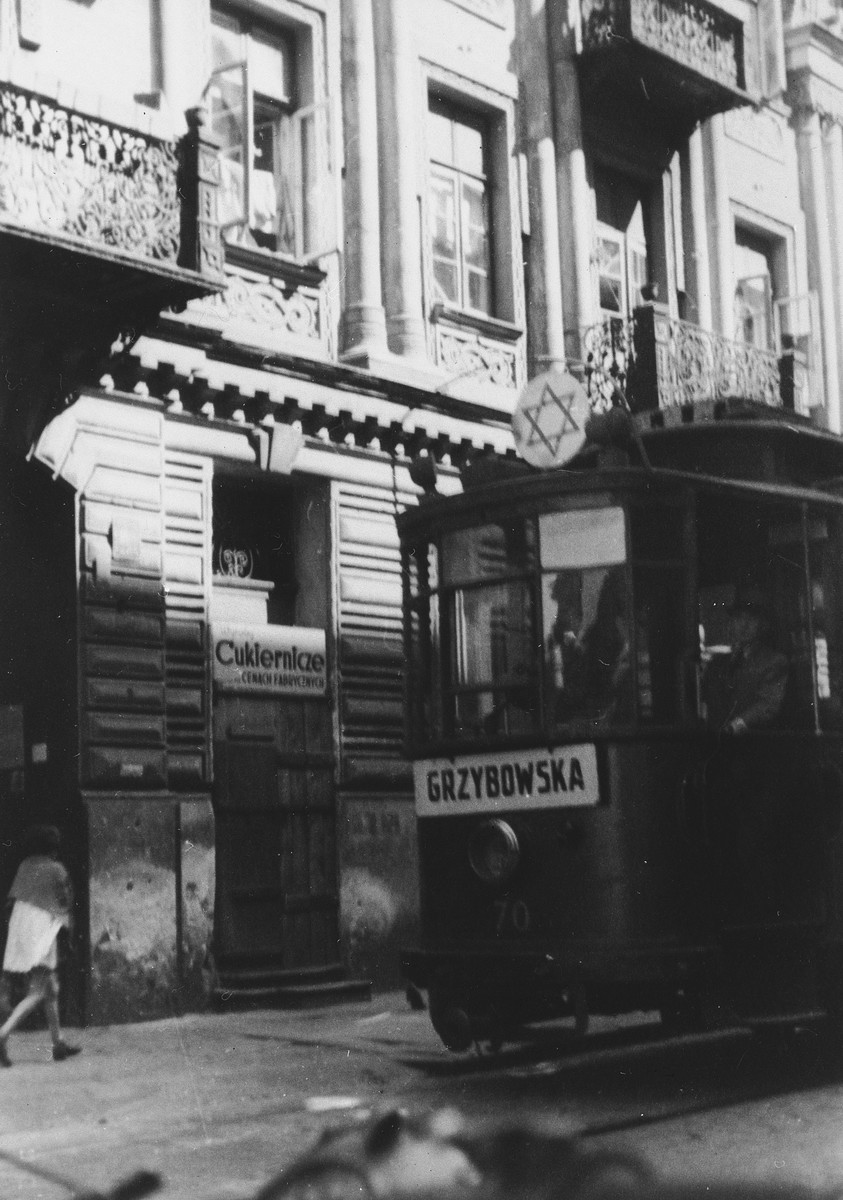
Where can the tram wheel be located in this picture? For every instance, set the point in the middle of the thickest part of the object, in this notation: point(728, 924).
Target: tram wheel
point(450, 1017)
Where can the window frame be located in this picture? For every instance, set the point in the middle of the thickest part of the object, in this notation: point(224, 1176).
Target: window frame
point(471, 119)
point(299, 29)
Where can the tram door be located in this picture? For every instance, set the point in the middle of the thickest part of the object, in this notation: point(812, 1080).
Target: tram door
point(277, 901)
point(767, 810)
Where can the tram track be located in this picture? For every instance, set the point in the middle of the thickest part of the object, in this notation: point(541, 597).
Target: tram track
point(625, 1080)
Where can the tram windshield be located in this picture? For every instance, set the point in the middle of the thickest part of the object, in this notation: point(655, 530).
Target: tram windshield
point(605, 612)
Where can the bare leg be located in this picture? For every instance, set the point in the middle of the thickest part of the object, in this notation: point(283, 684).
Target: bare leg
point(51, 1008)
point(30, 1002)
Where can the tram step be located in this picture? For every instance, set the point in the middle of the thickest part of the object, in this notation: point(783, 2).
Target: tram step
point(291, 995)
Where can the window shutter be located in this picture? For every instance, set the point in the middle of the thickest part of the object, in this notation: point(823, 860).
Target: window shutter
point(797, 328)
point(187, 558)
point(370, 649)
point(315, 225)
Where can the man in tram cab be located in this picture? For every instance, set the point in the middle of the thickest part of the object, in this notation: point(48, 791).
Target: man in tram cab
point(745, 690)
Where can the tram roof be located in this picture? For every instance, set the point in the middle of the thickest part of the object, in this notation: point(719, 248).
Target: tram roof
point(771, 451)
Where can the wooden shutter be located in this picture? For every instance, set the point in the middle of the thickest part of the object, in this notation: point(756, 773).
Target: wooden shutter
point(187, 558)
point(144, 561)
point(121, 601)
point(370, 654)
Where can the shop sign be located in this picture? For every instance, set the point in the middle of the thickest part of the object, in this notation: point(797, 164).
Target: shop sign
point(523, 779)
point(283, 660)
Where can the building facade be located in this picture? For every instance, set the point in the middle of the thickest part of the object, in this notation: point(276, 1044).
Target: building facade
point(271, 268)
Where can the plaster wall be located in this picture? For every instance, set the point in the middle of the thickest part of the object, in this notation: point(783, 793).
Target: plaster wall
point(470, 46)
point(107, 46)
point(378, 885)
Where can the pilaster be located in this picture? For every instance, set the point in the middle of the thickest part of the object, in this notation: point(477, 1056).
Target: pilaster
point(547, 319)
point(398, 65)
point(699, 231)
point(721, 228)
point(364, 320)
point(814, 195)
point(574, 198)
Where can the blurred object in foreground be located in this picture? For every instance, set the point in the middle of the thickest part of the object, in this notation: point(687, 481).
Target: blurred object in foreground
point(393, 1155)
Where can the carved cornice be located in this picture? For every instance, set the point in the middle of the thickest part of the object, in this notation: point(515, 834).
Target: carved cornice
point(808, 94)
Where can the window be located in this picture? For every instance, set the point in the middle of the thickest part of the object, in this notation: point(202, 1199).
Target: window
point(489, 630)
point(754, 291)
point(459, 209)
point(620, 258)
point(270, 140)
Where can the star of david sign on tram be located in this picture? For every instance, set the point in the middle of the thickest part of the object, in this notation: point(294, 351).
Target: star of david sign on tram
point(549, 419)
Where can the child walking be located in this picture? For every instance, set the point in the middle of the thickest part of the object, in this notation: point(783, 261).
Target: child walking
point(43, 897)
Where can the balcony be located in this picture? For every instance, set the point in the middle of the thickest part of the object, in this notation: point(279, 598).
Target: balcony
point(101, 228)
point(675, 62)
point(672, 367)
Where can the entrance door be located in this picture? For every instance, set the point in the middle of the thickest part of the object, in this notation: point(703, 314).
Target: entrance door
point(277, 902)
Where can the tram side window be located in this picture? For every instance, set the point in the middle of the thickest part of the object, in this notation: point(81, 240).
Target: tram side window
point(423, 692)
point(661, 644)
point(489, 631)
point(585, 610)
point(752, 564)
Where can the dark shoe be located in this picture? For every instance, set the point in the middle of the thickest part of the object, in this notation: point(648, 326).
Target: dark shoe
point(61, 1051)
point(5, 1061)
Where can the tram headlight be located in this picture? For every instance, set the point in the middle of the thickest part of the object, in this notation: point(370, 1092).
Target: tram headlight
point(493, 851)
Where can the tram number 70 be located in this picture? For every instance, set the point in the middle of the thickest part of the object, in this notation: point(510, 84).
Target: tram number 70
point(511, 916)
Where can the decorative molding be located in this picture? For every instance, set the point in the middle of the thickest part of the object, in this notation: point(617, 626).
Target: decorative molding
point(488, 327)
point(272, 304)
point(809, 94)
point(493, 11)
point(464, 354)
point(760, 130)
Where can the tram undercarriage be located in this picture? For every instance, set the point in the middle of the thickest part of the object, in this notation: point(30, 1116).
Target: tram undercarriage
point(752, 975)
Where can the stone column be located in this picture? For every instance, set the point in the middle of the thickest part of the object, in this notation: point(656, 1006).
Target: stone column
point(721, 228)
point(821, 265)
point(364, 321)
point(576, 226)
point(398, 94)
point(547, 324)
point(699, 231)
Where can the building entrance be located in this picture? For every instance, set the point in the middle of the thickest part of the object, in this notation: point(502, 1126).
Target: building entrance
point(277, 902)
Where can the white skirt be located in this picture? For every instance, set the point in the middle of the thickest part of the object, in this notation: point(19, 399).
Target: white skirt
point(32, 939)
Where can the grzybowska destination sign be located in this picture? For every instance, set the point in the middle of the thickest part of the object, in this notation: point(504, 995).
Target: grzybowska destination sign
point(522, 779)
point(284, 660)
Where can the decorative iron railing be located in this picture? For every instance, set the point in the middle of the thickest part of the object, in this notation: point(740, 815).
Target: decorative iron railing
point(693, 33)
point(664, 363)
point(66, 174)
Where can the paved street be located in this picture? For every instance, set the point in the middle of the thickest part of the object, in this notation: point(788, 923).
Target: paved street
point(219, 1103)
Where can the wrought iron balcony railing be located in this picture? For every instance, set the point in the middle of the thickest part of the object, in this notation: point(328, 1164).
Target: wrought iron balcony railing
point(692, 33)
point(664, 363)
point(107, 190)
point(102, 228)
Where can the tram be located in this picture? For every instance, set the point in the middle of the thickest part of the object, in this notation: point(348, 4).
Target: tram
point(592, 838)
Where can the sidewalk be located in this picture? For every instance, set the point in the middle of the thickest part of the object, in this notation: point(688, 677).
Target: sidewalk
point(217, 1103)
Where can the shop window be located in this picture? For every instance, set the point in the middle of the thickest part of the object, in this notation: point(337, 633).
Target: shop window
point(459, 207)
point(272, 138)
point(254, 539)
